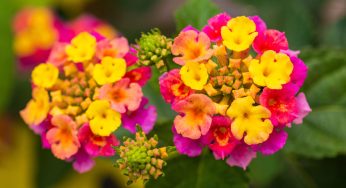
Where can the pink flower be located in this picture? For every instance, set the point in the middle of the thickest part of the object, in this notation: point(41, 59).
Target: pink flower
point(82, 161)
point(275, 142)
point(139, 75)
point(131, 57)
point(63, 137)
point(241, 156)
point(97, 145)
point(116, 48)
point(303, 108)
point(220, 138)
point(192, 46)
point(123, 95)
point(300, 71)
point(213, 29)
point(58, 55)
point(270, 40)
point(195, 115)
point(261, 26)
point(281, 103)
point(187, 146)
point(145, 116)
point(172, 87)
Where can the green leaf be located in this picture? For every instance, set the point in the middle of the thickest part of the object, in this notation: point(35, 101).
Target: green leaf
point(195, 13)
point(201, 172)
point(323, 132)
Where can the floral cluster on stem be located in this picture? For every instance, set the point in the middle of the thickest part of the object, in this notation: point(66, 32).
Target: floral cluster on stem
point(86, 90)
point(236, 90)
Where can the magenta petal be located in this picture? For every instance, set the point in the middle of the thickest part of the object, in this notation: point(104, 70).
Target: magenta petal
point(300, 71)
point(188, 28)
point(144, 116)
point(241, 156)
point(83, 162)
point(303, 108)
point(260, 24)
point(276, 141)
point(186, 146)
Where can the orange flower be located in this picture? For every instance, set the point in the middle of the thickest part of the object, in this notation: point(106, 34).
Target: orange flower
point(63, 137)
point(196, 121)
point(193, 46)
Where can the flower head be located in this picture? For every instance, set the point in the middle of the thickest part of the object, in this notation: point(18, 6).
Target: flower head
point(220, 138)
point(37, 108)
point(141, 158)
point(110, 70)
point(63, 137)
point(195, 119)
point(96, 145)
point(271, 39)
point(82, 48)
point(272, 70)
point(172, 87)
point(249, 119)
point(213, 29)
point(281, 103)
point(192, 46)
point(45, 75)
point(239, 33)
point(103, 120)
point(122, 95)
point(194, 74)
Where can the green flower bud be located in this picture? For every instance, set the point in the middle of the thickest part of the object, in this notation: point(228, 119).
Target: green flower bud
point(153, 49)
point(140, 158)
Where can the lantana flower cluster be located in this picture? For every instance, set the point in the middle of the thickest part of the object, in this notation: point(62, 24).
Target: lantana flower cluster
point(236, 91)
point(85, 91)
point(36, 31)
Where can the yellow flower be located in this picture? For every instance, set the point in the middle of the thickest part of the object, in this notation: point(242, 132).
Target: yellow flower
point(110, 70)
point(252, 120)
point(45, 75)
point(37, 108)
point(273, 70)
point(103, 120)
point(194, 74)
point(82, 48)
point(239, 33)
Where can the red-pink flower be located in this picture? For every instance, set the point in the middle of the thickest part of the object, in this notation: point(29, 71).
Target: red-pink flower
point(241, 156)
point(172, 87)
point(220, 138)
point(123, 95)
point(213, 29)
point(271, 39)
point(283, 104)
point(192, 46)
point(97, 145)
point(195, 115)
point(63, 137)
point(139, 75)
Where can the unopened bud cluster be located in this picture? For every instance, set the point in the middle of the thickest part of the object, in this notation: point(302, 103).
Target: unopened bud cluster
point(153, 48)
point(140, 158)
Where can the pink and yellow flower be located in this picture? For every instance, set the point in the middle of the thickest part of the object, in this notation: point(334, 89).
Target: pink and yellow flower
point(63, 137)
point(96, 145)
point(239, 33)
point(80, 99)
point(272, 70)
point(172, 87)
point(196, 115)
point(122, 95)
point(192, 46)
point(250, 122)
point(213, 29)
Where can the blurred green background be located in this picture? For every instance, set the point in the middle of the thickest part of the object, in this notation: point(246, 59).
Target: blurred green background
point(315, 152)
